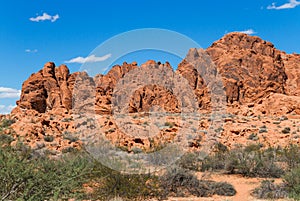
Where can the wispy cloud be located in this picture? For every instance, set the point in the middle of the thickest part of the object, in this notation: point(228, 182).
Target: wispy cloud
point(44, 17)
point(289, 5)
point(31, 51)
point(5, 109)
point(9, 92)
point(248, 31)
point(90, 59)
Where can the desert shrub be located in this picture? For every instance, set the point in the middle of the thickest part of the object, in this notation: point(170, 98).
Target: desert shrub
point(125, 186)
point(253, 136)
point(249, 161)
point(291, 156)
point(217, 160)
point(5, 123)
point(269, 190)
point(23, 178)
point(292, 180)
point(181, 182)
point(6, 139)
point(223, 188)
point(190, 161)
point(286, 130)
point(48, 138)
point(254, 162)
point(71, 137)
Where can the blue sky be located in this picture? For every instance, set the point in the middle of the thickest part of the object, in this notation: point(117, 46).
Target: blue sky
point(33, 32)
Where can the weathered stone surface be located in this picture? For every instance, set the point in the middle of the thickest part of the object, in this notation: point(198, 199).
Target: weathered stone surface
point(251, 68)
point(48, 89)
point(292, 70)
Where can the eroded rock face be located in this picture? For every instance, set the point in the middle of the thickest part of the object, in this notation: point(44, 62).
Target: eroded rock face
point(251, 68)
point(105, 85)
point(146, 98)
point(200, 72)
point(292, 69)
point(48, 89)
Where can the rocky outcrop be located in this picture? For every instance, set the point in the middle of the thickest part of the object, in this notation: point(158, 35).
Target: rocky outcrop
point(105, 85)
point(48, 89)
point(251, 68)
point(257, 79)
point(292, 70)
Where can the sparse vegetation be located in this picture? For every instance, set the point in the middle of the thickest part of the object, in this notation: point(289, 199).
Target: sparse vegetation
point(48, 138)
point(190, 161)
point(71, 137)
point(263, 129)
point(251, 161)
point(180, 182)
point(254, 161)
point(286, 130)
point(43, 179)
point(269, 190)
point(253, 136)
point(125, 186)
point(292, 181)
point(65, 177)
point(5, 123)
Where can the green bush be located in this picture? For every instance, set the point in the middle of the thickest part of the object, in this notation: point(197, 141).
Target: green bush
point(5, 123)
point(216, 161)
point(190, 161)
point(125, 186)
point(291, 156)
point(131, 187)
point(6, 139)
point(48, 138)
point(23, 178)
point(292, 180)
point(249, 161)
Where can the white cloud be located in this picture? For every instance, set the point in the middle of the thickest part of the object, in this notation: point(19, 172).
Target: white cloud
point(5, 109)
point(31, 51)
point(90, 59)
point(55, 17)
point(44, 17)
point(248, 31)
point(9, 92)
point(290, 4)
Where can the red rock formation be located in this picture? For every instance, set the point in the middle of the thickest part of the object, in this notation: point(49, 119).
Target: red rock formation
point(251, 67)
point(292, 70)
point(105, 85)
point(257, 78)
point(48, 89)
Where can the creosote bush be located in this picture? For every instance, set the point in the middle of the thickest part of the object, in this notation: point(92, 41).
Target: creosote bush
point(252, 161)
